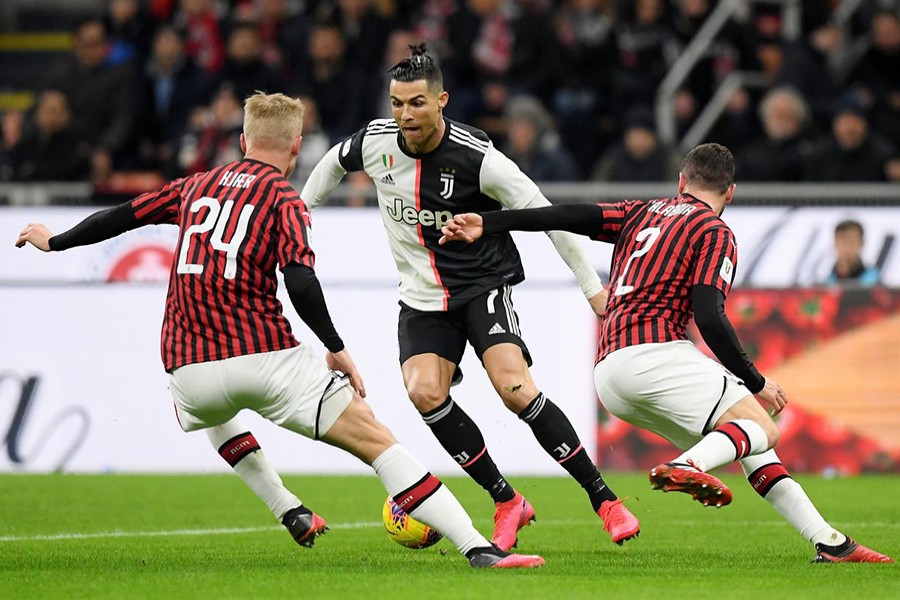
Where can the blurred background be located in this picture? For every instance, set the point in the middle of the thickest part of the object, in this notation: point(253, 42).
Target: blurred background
point(594, 99)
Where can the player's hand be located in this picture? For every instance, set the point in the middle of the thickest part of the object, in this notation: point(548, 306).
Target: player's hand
point(464, 228)
point(37, 235)
point(598, 303)
point(341, 361)
point(773, 397)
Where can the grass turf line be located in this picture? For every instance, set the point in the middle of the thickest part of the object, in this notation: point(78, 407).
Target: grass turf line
point(741, 551)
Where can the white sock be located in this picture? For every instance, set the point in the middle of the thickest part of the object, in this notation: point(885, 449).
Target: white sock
point(239, 448)
point(733, 440)
point(403, 475)
point(771, 481)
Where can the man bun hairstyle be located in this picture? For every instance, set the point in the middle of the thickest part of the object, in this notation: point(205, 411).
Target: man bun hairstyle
point(709, 167)
point(420, 65)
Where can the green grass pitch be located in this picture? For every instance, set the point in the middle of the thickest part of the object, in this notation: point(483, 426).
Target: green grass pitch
point(112, 536)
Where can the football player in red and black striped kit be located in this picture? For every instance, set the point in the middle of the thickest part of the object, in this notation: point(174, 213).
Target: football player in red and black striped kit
point(675, 258)
point(227, 345)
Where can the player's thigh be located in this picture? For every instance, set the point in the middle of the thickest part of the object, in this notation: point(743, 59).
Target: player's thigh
point(303, 394)
point(358, 432)
point(491, 319)
point(200, 395)
point(508, 371)
point(670, 388)
point(432, 344)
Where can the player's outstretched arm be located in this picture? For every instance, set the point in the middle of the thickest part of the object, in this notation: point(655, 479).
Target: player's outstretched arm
point(37, 235)
point(326, 176)
point(100, 226)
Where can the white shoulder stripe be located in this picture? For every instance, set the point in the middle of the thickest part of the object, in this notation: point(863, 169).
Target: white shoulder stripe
point(381, 123)
point(467, 135)
point(467, 143)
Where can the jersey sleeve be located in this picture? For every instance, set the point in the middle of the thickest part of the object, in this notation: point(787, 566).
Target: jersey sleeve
point(159, 207)
point(294, 230)
point(611, 221)
point(350, 154)
point(502, 180)
point(716, 259)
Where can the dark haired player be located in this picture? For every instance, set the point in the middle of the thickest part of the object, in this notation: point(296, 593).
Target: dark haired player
point(675, 258)
point(425, 168)
point(227, 345)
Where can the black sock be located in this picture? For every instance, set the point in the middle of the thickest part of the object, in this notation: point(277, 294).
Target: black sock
point(461, 438)
point(557, 437)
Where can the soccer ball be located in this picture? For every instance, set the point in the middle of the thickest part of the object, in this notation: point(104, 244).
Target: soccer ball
point(405, 530)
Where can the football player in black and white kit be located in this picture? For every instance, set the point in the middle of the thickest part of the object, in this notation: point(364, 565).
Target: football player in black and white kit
point(427, 168)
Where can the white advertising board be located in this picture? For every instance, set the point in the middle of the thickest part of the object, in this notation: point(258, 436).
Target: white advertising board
point(778, 247)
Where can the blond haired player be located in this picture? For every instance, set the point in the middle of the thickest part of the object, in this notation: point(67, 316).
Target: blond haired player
point(227, 345)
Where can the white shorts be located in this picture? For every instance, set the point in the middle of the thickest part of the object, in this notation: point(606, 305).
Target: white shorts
point(670, 388)
point(292, 388)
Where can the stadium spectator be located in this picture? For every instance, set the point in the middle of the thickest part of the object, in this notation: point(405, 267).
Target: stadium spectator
point(244, 70)
point(203, 34)
point(100, 97)
point(284, 36)
point(364, 27)
point(216, 134)
point(877, 76)
point(171, 88)
point(339, 88)
point(779, 154)
point(533, 143)
point(646, 47)
point(315, 143)
point(640, 156)
point(582, 102)
point(852, 152)
point(130, 32)
point(849, 268)
point(48, 149)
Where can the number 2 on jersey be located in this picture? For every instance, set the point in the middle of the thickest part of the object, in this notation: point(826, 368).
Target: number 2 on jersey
point(217, 217)
point(649, 237)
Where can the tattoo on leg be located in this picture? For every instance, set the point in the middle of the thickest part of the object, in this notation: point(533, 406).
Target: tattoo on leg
point(512, 389)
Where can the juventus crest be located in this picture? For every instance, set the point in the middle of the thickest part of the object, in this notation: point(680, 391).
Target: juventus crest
point(447, 183)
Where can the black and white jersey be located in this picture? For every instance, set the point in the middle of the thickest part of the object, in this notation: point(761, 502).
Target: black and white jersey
point(418, 194)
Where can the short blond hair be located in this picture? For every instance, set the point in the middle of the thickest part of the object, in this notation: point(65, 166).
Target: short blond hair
point(272, 120)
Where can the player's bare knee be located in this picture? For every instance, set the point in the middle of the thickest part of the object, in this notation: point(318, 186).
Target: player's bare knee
point(772, 433)
point(516, 393)
point(426, 396)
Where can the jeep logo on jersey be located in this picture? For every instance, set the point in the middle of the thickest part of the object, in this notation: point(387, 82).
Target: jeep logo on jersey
point(411, 216)
point(447, 181)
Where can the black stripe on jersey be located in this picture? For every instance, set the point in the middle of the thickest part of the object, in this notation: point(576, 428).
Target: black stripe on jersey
point(203, 350)
point(707, 265)
point(256, 250)
point(242, 327)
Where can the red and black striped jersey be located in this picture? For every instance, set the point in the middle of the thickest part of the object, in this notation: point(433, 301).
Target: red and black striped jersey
point(662, 249)
point(237, 223)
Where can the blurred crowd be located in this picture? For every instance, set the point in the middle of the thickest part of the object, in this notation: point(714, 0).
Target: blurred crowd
point(565, 87)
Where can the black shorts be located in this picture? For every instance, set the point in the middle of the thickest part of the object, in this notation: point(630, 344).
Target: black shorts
point(486, 321)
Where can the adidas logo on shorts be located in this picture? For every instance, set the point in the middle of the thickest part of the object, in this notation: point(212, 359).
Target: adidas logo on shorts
point(496, 329)
point(388, 179)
